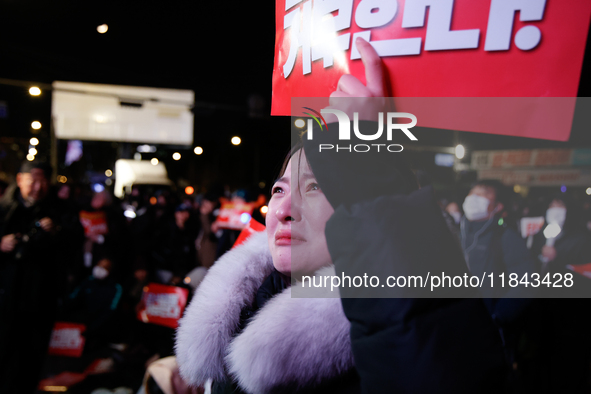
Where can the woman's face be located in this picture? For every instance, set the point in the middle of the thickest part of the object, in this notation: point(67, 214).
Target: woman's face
point(297, 216)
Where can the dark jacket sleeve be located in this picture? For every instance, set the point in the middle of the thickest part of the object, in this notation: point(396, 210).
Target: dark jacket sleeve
point(431, 344)
point(405, 339)
point(518, 260)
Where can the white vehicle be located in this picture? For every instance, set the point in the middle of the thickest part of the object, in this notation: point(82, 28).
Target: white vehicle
point(138, 172)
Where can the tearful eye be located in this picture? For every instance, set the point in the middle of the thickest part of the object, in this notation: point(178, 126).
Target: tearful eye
point(277, 189)
point(313, 186)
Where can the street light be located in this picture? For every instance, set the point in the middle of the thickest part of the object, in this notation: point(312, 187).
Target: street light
point(176, 156)
point(34, 91)
point(236, 140)
point(154, 161)
point(198, 150)
point(102, 29)
point(36, 125)
point(34, 141)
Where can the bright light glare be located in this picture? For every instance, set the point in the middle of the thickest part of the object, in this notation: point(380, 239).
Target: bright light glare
point(33, 151)
point(176, 156)
point(102, 28)
point(97, 187)
point(108, 173)
point(299, 123)
point(146, 148)
point(34, 141)
point(34, 91)
point(588, 191)
point(30, 157)
point(154, 161)
point(460, 151)
point(198, 150)
point(189, 190)
point(264, 209)
point(129, 213)
point(236, 140)
point(36, 125)
point(552, 230)
point(244, 218)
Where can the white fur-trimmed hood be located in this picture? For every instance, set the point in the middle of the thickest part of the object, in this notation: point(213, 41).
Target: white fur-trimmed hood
point(298, 341)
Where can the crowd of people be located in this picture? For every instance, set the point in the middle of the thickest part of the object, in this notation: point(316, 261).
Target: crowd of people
point(79, 255)
point(72, 254)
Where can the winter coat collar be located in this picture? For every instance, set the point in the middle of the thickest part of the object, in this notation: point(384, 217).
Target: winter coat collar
point(296, 341)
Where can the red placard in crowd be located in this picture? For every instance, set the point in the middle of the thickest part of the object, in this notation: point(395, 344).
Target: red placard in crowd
point(67, 339)
point(583, 269)
point(531, 225)
point(444, 48)
point(94, 223)
point(252, 227)
point(234, 215)
point(162, 305)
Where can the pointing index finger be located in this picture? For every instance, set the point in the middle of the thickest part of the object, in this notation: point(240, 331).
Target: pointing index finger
point(374, 72)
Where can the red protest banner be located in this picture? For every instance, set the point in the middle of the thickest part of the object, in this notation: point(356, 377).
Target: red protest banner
point(162, 305)
point(67, 339)
point(531, 225)
point(494, 48)
point(252, 227)
point(584, 269)
point(94, 223)
point(234, 215)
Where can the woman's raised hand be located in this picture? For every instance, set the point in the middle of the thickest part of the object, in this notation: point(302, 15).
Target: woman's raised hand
point(369, 99)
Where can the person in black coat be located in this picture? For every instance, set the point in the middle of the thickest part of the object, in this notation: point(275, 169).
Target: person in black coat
point(571, 246)
point(383, 225)
point(35, 229)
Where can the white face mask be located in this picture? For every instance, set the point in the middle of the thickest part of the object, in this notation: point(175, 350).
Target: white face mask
point(556, 215)
point(99, 272)
point(476, 207)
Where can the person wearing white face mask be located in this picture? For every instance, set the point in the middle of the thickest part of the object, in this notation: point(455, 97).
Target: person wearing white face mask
point(569, 243)
point(490, 246)
point(563, 321)
point(94, 302)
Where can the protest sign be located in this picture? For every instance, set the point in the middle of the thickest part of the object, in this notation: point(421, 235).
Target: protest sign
point(67, 339)
point(495, 48)
point(251, 228)
point(234, 215)
point(162, 305)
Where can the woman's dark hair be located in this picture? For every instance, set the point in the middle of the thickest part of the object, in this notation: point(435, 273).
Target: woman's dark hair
point(294, 149)
point(394, 177)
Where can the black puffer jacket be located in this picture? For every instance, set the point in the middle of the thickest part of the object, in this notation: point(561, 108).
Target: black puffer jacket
point(381, 227)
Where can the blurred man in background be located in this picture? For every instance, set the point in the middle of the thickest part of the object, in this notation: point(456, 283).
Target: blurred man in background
point(34, 228)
